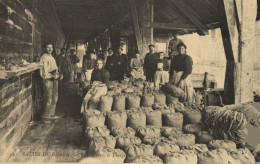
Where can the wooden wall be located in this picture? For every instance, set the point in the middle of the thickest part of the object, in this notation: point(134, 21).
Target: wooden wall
point(24, 27)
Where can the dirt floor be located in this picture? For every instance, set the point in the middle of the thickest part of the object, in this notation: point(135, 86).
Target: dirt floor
point(57, 142)
point(61, 141)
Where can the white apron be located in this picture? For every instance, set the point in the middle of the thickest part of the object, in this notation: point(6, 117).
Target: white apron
point(186, 85)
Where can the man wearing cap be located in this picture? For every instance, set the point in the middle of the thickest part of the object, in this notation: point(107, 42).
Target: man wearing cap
point(150, 63)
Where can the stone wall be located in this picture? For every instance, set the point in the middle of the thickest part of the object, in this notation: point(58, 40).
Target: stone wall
point(24, 27)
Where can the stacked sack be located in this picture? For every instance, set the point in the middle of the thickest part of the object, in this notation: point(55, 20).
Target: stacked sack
point(144, 128)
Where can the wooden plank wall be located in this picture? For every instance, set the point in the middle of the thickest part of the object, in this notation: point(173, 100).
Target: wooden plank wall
point(24, 26)
point(16, 31)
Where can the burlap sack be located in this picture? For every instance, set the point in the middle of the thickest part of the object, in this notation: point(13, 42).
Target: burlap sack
point(147, 100)
point(93, 118)
point(101, 142)
point(148, 130)
point(118, 103)
point(173, 120)
point(123, 141)
point(184, 139)
point(148, 159)
point(193, 128)
point(204, 137)
point(133, 151)
point(182, 157)
point(192, 116)
point(154, 117)
point(170, 131)
point(165, 147)
point(197, 148)
point(159, 98)
point(95, 132)
point(105, 104)
point(132, 101)
point(136, 119)
point(224, 144)
point(116, 119)
point(243, 155)
point(120, 131)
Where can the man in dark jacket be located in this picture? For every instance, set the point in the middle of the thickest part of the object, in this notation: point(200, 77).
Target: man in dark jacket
point(64, 66)
point(150, 64)
point(118, 65)
point(100, 73)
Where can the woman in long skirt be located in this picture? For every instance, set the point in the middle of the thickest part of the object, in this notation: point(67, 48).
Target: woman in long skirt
point(180, 70)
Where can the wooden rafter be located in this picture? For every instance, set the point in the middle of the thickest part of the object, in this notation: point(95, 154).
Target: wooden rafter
point(187, 12)
point(171, 26)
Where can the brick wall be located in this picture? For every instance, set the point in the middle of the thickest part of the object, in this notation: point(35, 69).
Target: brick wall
point(24, 26)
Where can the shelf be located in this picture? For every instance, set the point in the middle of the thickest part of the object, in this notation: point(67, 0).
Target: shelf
point(7, 74)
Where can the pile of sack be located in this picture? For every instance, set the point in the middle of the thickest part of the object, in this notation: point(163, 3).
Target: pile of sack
point(127, 127)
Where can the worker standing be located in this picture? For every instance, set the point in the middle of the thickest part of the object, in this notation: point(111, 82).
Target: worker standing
point(161, 75)
point(74, 60)
point(118, 65)
point(150, 63)
point(50, 76)
point(89, 61)
point(172, 48)
point(64, 67)
point(122, 65)
point(180, 71)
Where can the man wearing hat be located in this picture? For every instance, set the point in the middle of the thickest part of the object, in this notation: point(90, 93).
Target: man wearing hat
point(150, 63)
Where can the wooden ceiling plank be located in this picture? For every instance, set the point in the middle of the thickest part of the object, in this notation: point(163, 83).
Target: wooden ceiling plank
point(184, 10)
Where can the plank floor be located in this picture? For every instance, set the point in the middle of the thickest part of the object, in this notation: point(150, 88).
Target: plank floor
point(56, 142)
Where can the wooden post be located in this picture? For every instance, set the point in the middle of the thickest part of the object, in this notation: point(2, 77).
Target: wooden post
point(152, 19)
point(237, 30)
point(247, 34)
point(145, 16)
point(136, 26)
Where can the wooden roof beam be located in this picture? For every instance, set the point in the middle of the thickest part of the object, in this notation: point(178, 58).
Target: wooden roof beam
point(178, 26)
point(171, 26)
point(185, 10)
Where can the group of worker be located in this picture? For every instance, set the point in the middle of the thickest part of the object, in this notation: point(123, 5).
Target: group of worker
point(155, 67)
